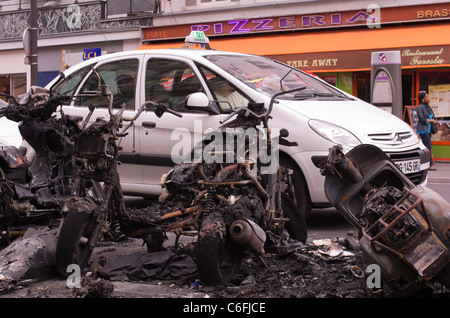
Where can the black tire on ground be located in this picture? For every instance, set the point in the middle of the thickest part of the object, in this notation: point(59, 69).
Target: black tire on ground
point(69, 248)
point(218, 259)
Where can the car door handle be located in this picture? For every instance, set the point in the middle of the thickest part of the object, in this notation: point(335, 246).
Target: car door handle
point(148, 124)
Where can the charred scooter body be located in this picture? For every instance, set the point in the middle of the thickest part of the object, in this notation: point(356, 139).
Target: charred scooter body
point(96, 206)
point(238, 207)
point(403, 228)
point(33, 193)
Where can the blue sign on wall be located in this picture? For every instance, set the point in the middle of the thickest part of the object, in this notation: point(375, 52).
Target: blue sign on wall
point(91, 53)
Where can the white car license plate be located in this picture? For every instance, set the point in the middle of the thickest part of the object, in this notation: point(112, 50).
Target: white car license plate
point(408, 166)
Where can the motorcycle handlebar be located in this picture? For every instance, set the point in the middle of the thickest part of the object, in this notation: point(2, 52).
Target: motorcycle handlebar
point(247, 113)
point(56, 99)
point(20, 112)
point(173, 112)
point(159, 108)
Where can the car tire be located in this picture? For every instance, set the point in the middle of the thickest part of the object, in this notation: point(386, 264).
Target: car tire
point(300, 186)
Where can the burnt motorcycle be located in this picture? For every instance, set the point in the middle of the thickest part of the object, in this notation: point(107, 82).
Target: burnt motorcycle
point(33, 193)
point(403, 228)
point(233, 196)
point(96, 205)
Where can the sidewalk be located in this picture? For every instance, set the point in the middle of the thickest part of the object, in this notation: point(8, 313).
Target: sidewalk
point(442, 173)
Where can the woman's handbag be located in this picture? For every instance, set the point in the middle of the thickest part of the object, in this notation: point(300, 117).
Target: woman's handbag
point(433, 128)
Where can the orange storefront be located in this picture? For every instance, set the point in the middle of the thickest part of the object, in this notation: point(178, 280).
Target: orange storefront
point(337, 46)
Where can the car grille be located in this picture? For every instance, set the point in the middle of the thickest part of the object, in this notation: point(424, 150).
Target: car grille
point(390, 138)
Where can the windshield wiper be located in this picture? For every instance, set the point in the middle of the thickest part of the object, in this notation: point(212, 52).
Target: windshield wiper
point(314, 94)
point(345, 97)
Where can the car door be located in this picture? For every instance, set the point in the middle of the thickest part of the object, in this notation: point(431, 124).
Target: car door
point(165, 140)
point(122, 75)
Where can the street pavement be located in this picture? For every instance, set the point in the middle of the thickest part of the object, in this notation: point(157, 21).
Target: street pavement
point(442, 173)
point(322, 224)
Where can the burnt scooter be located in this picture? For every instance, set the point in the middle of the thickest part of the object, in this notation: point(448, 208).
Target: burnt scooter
point(96, 206)
point(403, 228)
point(230, 203)
point(33, 193)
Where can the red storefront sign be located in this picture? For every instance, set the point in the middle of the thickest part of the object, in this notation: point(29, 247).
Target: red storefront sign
point(373, 17)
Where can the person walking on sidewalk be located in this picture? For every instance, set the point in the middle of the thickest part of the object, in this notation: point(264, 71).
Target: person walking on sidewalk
point(426, 118)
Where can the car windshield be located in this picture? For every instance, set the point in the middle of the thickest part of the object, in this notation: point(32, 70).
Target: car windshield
point(269, 77)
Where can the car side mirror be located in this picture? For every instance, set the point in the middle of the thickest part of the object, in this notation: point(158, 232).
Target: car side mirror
point(200, 102)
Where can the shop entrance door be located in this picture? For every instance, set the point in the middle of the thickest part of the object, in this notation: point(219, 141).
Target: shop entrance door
point(408, 88)
point(361, 86)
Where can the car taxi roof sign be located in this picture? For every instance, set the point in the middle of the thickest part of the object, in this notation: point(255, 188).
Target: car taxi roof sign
point(196, 39)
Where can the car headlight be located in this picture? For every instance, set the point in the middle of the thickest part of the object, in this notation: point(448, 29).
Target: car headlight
point(335, 134)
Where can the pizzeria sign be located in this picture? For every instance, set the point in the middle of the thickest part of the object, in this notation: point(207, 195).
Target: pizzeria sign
point(272, 24)
point(372, 17)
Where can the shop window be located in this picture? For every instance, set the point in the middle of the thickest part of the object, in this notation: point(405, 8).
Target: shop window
point(5, 86)
point(346, 82)
point(14, 85)
point(343, 81)
point(437, 84)
point(18, 84)
point(433, 78)
point(330, 79)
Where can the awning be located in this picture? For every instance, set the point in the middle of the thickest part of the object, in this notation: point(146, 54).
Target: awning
point(328, 41)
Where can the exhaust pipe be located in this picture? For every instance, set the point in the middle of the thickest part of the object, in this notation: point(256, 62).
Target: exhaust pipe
point(249, 234)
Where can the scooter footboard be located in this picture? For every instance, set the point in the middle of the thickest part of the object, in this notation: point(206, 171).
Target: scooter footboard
point(429, 257)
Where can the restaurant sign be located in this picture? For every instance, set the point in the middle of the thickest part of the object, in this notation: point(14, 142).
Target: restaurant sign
point(424, 56)
point(411, 57)
point(372, 17)
point(264, 25)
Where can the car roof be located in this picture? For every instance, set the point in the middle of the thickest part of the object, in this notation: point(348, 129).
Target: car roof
point(182, 52)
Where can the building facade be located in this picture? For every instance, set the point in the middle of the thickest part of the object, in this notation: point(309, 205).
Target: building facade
point(333, 40)
point(68, 33)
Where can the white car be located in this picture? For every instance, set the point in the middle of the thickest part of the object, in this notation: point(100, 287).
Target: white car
point(9, 133)
point(317, 118)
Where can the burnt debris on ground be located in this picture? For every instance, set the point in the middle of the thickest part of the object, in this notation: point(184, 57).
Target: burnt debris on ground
point(323, 268)
point(320, 269)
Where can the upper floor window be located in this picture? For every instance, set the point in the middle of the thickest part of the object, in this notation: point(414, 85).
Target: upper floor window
point(132, 7)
